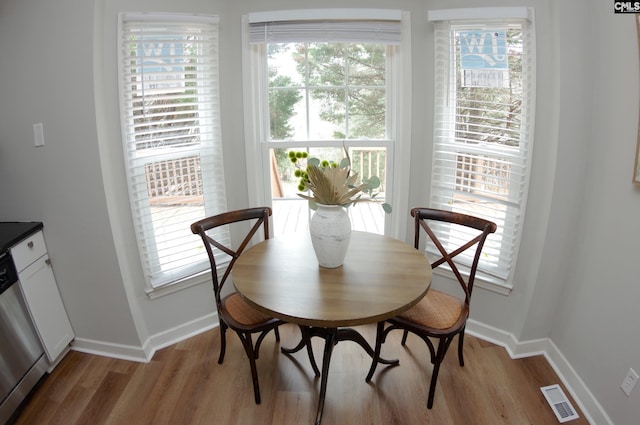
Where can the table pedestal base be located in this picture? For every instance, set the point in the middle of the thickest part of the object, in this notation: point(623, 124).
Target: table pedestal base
point(331, 338)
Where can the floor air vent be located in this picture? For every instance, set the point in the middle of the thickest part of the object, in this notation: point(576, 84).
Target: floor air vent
point(559, 403)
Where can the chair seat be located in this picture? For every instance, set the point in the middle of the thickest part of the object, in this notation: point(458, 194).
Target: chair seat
point(436, 310)
point(242, 312)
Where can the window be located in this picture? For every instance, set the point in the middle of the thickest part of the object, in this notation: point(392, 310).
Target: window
point(168, 67)
point(484, 103)
point(322, 81)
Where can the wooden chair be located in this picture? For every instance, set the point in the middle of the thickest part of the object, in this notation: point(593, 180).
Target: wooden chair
point(233, 311)
point(439, 315)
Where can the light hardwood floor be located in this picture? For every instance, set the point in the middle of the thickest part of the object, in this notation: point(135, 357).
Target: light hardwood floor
point(183, 384)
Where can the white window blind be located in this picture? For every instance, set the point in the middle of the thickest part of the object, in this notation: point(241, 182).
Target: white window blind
point(484, 107)
point(326, 25)
point(168, 67)
point(386, 32)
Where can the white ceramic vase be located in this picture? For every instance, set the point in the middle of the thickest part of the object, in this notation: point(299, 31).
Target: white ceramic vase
point(330, 230)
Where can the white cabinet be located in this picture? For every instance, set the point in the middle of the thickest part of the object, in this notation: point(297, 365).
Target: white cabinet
point(41, 293)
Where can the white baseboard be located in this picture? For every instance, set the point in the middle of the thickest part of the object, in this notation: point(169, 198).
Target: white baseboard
point(182, 332)
point(156, 342)
point(590, 407)
point(108, 349)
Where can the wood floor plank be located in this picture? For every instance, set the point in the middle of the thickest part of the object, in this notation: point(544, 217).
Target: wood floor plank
point(39, 412)
point(184, 384)
point(65, 376)
point(71, 408)
point(293, 408)
point(134, 402)
point(99, 408)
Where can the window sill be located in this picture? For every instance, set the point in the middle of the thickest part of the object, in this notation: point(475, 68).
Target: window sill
point(172, 288)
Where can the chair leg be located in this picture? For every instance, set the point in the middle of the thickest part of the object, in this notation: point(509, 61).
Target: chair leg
point(442, 349)
point(277, 332)
point(460, 344)
point(376, 351)
point(247, 343)
point(223, 341)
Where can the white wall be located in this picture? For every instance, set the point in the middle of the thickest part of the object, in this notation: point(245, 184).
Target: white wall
point(46, 76)
point(596, 326)
point(574, 281)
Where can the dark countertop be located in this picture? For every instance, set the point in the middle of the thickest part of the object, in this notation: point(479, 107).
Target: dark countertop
point(13, 232)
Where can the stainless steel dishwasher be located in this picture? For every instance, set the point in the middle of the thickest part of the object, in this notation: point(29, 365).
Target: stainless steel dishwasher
point(22, 359)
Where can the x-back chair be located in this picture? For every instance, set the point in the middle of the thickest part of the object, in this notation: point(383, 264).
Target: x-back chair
point(233, 311)
point(439, 315)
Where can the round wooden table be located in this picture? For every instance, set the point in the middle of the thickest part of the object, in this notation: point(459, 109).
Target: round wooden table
point(381, 277)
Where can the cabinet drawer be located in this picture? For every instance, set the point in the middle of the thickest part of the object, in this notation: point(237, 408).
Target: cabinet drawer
point(28, 250)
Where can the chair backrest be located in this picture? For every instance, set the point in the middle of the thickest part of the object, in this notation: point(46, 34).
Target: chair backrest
point(212, 245)
point(422, 216)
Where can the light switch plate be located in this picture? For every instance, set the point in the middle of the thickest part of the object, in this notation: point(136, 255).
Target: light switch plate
point(629, 382)
point(38, 134)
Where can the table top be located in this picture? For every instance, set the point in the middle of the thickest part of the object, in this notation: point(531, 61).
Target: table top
point(381, 277)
